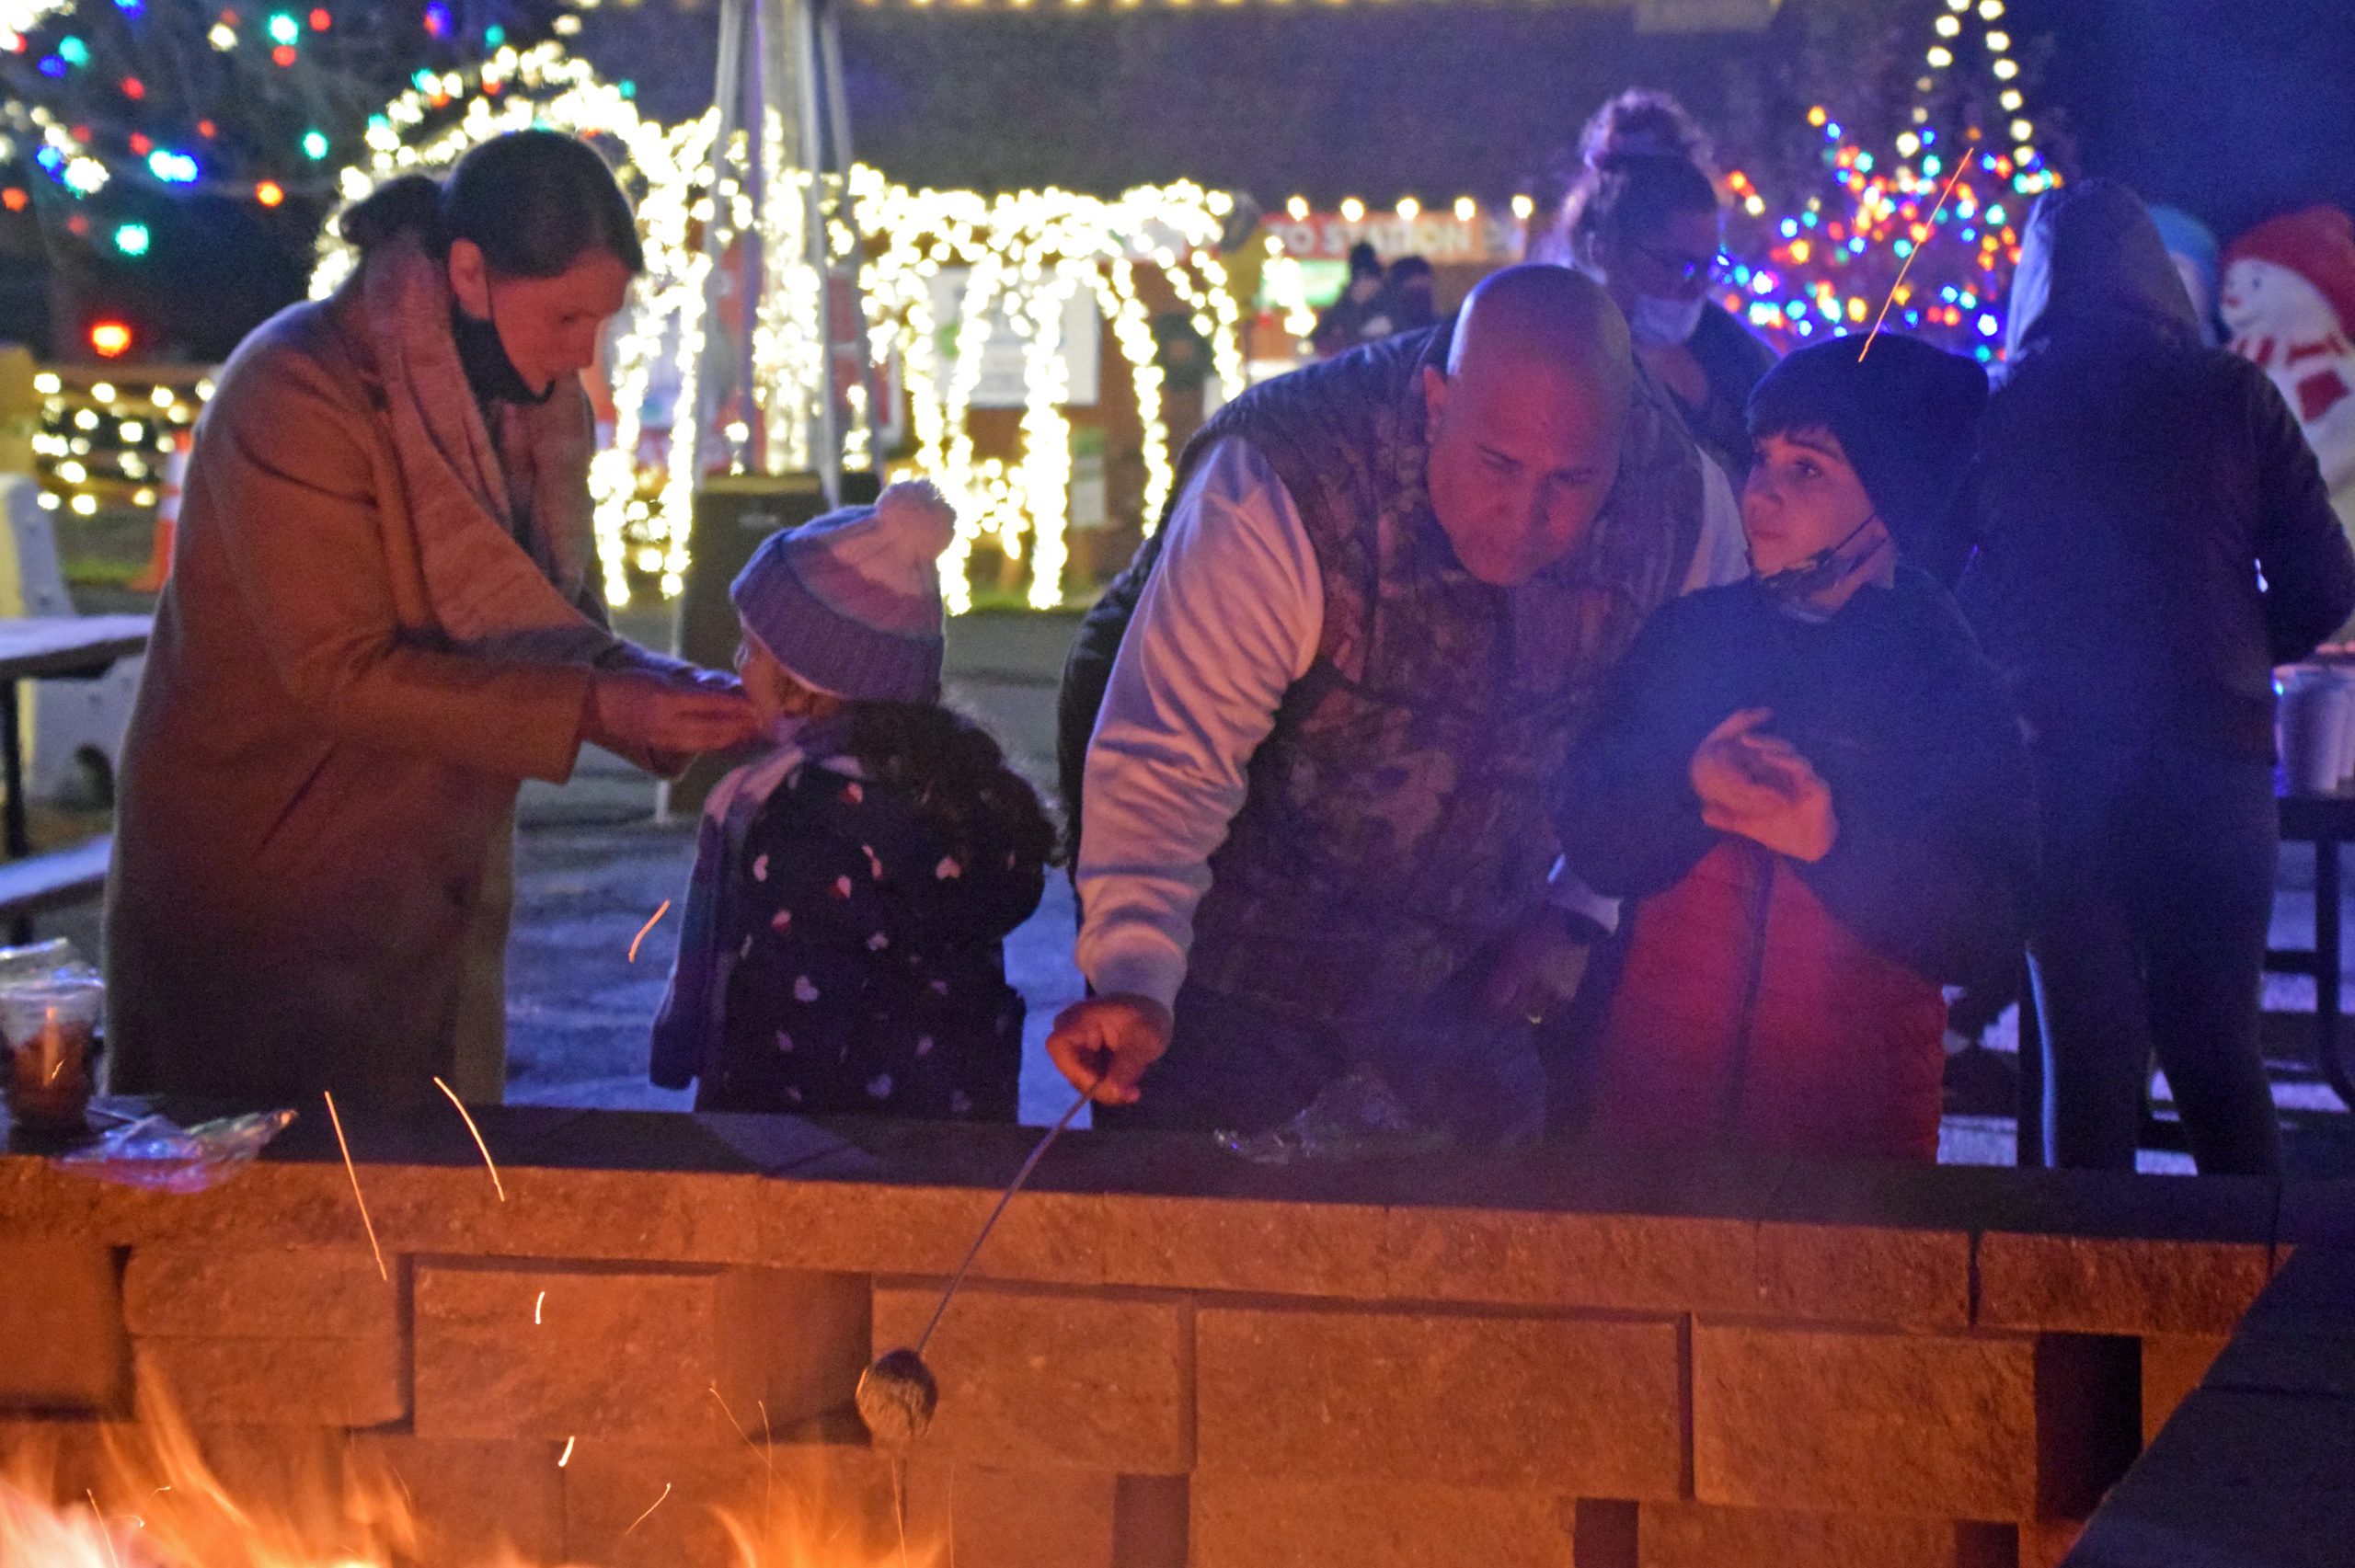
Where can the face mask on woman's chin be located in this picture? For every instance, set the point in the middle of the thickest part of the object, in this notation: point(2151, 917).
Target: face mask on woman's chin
point(1656, 323)
point(484, 359)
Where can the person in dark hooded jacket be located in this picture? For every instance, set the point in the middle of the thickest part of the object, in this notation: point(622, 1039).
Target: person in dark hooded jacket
point(2153, 538)
point(1812, 787)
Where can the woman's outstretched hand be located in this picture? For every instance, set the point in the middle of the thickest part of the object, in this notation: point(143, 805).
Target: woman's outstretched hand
point(633, 709)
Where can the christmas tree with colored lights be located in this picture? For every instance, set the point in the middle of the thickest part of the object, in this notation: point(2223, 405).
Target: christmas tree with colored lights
point(1907, 185)
point(121, 119)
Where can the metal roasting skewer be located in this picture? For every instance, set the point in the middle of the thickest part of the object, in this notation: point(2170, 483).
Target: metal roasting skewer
point(897, 1393)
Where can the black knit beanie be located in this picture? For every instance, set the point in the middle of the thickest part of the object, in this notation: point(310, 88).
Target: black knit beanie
point(1905, 413)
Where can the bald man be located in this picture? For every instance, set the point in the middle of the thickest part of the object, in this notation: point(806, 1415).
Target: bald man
point(1316, 837)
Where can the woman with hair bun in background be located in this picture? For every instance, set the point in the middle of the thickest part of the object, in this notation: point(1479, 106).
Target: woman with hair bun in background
point(1637, 207)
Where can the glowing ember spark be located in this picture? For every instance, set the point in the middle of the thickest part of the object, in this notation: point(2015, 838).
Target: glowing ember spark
point(649, 1509)
point(564, 1458)
point(730, 1413)
point(105, 1535)
point(652, 920)
point(353, 1172)
point(535, 1307)
point(497, 1185)
point(1907, 266)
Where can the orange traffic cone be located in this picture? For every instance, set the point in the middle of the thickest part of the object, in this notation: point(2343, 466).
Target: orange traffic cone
point(167, 519)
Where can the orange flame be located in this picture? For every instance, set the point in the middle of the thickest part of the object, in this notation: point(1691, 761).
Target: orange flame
point(162, 1502)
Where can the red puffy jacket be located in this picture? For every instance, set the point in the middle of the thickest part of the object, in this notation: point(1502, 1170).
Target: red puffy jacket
point(1747, 1016)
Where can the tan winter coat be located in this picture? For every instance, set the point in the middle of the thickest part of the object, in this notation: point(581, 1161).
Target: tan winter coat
point(311, 882)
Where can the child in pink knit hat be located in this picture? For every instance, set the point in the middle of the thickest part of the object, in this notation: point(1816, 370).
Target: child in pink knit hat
point(843, 950)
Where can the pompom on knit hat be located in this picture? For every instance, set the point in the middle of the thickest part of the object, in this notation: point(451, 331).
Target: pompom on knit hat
point(850, 603)
point(1906, 415)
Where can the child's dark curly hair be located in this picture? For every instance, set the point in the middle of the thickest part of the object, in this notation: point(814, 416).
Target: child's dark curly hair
point(957, 774)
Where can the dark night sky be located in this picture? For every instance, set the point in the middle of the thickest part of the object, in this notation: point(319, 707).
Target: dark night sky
point(2234, 111)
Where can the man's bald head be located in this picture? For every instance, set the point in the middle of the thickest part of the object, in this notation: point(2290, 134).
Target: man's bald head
point(1545, 318)
point(1526, 423)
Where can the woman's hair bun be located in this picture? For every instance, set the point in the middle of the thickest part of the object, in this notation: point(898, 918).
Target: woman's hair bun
point(1644, 122)
point(411, 204)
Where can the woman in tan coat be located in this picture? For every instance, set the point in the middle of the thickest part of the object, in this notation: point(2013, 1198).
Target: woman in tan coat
point(383, 616)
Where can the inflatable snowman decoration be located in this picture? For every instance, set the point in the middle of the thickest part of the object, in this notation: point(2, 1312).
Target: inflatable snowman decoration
point(2288, 301)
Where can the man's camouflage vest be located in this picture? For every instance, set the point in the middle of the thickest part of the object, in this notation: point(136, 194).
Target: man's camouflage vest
point(1396, 823)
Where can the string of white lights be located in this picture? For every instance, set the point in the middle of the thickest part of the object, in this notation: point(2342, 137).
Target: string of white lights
point(1024, 256)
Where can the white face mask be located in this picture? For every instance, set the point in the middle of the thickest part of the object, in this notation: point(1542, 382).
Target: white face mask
point(1656, 323)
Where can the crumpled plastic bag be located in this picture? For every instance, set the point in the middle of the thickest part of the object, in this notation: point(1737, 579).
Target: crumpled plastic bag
point(157, 1153)
point(1355, 1117)
point(40, 960)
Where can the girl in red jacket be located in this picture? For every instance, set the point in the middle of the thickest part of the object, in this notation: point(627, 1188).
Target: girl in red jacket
point(1812, 788)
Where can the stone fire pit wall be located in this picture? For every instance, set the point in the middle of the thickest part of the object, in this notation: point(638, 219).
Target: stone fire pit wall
point(1168, 1356)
